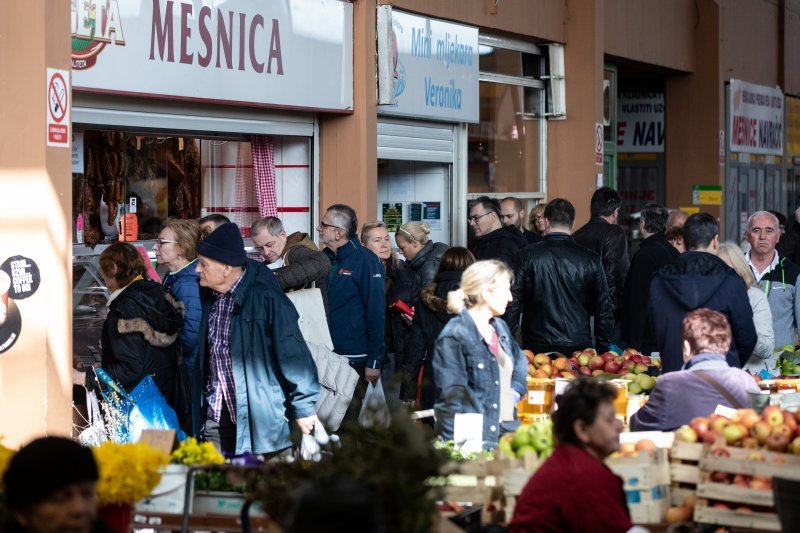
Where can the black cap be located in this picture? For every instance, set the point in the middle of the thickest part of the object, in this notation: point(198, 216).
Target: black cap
point(225, 245)
point(44, 466)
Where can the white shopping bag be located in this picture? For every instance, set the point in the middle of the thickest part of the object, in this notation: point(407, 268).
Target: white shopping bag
point(374, 411)
point(310, 449)
point(95, 434)
point(313, 322)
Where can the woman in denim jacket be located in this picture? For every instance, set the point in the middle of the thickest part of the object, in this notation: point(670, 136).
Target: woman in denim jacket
point(477, 363)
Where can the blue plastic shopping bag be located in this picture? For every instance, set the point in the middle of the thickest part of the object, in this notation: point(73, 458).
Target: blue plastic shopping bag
point(144, 408)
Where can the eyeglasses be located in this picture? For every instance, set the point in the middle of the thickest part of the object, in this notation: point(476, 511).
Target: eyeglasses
point(160, 242)
point(474, 218)
point(323, 225)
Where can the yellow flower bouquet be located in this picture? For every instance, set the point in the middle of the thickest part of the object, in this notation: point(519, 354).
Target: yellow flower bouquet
point(128, 472)
point(193, 453)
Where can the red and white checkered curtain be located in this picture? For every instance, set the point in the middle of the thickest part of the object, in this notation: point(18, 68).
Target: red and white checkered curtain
point(243, 195)
point(264, 175)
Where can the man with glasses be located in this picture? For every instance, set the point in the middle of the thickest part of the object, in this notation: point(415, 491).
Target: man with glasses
point(296, 260)
point(356, 302)
point(775, 275)
point(493, 240)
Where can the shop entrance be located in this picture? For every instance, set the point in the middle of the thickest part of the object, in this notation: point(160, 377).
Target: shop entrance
point(750, 187)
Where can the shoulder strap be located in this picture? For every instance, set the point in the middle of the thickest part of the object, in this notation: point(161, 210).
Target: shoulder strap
point(705, 376)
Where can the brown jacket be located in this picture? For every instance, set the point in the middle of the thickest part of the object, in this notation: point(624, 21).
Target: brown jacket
point(303, 264)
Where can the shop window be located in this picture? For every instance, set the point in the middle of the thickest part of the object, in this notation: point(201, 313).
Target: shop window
point(505, 149)
point(156, 177)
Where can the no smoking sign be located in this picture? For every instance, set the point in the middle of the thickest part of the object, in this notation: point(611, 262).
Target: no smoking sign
point(58, 105)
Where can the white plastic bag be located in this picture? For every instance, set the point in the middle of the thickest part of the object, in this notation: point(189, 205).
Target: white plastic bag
point(95, 434)
point(310, 449)
point(374, 411)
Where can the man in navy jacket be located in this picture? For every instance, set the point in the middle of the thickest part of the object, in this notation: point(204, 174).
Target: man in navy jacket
point(356, 302)
point(700, 279)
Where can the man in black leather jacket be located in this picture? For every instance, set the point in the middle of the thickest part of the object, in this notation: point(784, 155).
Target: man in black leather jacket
point(604, 237)
point(558, 286)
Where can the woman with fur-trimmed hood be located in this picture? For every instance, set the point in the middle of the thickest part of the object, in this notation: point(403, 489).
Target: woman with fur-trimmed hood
point(430, 318)
point(142, 326)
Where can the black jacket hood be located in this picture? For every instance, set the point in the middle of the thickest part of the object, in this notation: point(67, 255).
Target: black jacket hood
point(695, 278)
point(145, 300)
point(507, 232)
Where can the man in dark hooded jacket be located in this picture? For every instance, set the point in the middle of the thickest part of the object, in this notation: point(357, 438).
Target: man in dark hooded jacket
point(700, 279)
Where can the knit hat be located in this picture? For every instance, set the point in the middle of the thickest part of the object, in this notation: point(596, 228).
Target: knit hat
point(44, 466)
point(225, 245)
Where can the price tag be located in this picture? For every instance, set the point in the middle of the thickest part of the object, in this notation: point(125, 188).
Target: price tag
point(536, 397)
point(727, 412)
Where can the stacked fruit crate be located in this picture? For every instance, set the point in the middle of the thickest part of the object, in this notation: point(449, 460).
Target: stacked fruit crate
point(735, 486)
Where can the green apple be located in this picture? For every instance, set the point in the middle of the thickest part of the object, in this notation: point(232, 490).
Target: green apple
point(523, 451)
point(542, 442)
point(505, 448)
point(646, 382)
point(521, 439)
point(634, 388)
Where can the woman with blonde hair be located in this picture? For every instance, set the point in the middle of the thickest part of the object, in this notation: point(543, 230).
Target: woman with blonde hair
point(402, 285)
point(176, 249)
point(762, 356)
point(536, 219)
point(477, 363)
point(422, 255)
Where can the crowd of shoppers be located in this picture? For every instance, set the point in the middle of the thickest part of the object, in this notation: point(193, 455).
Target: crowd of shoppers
point(443, 327)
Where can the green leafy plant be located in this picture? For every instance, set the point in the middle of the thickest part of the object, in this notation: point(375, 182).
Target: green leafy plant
point(394, 463)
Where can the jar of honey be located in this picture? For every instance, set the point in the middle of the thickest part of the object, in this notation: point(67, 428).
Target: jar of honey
point(537, 404)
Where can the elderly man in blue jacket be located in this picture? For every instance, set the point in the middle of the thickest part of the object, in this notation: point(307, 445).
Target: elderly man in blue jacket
point(255, 366)
point(356, 301)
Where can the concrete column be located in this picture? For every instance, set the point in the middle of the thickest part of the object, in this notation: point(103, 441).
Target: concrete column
point(572, 169)
point(35, 210)
point(695, 115)
point(348, 143)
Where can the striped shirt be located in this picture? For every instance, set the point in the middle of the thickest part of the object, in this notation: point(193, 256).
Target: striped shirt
point(220, 387)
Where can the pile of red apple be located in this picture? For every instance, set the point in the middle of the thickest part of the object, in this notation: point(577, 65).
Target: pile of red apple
point(589, 363)
point(774, 429)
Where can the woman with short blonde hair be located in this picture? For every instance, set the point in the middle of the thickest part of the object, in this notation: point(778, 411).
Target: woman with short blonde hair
point(422, 255)
point(477, 363)
point(402, 285)
point(762, 356)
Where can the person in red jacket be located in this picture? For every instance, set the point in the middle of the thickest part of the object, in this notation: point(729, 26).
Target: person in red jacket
point(586, 432)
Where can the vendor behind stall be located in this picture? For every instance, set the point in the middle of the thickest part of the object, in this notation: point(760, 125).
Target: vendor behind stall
point(705, 381)
point(50, 486)
point(586, 431)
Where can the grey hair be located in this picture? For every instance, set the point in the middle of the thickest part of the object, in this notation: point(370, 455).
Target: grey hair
point(763, 214)
point(344, 217)
point(273, 225)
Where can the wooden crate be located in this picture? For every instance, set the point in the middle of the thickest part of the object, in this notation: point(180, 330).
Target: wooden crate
point(481, 480)
point(514, 480)
point(741, 461)
point(684, 469)
point(646, 483)
point(704, 513)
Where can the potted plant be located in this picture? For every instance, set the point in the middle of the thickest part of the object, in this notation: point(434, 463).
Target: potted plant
point(128, 473)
